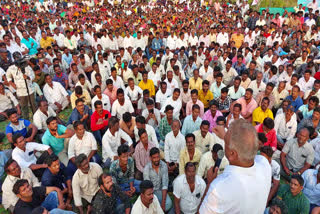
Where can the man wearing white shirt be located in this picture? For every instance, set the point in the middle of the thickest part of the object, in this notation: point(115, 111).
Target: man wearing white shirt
point(102, 97)
point(133, 91)
point(141, 124)
point(56, 95)
point(59, 38)
point(205, 70)
point(171, 82)
point(154, 75)
point(257, 85)
point(188, 190)
point(285, 125)
point(174, 101)
point(286, 75)
point(42, 114)
point(247, 176)
point(104, 65)
point(111, 43)
point(193, 39)
point(139, 42)
point(223, 37)
point(229, 73)
point(162, 95)
point(121, 105)
point(306, 81)
point(111, 140)
point(128, 40)
point(171, 41)
point(181, 41)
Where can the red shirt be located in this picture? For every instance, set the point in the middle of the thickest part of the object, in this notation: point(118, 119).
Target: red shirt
point(271, 136)
point(95, 117)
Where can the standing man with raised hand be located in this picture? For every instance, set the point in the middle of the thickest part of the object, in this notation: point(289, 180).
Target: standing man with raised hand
point(247, 176)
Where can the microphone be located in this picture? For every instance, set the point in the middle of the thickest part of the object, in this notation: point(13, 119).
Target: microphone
point(220, 154)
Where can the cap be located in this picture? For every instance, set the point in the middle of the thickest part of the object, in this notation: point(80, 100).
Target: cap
point(290, 107)
point(168, 108)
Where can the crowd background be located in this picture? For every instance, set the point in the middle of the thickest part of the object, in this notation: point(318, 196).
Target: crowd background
point(122, 106)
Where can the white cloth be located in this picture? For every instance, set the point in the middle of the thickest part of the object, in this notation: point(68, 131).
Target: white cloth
point(133, 94)
point(306, 85)
point(189, 201)
point(311, 188)
point(111, 143)
point(172, 147)
point(283, 129)
point(176, 104)
point(256, 90)
point(118, 110)
point(54, 94)
point(206, 162)
point(152, 137)
point(227, 192)
point(154, 207)
point(39, 118)
point(105, 102)
point(162, 97)
point(27, 157)
point(85, 145)
point(14, 74)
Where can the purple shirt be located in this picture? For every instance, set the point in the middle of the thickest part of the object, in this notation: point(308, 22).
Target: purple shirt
point(63, 77)
point(212, 120)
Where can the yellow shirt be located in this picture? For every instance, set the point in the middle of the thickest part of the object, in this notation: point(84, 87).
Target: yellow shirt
point(85, 96)
point(195, 84)
point(149, 85)
point(205, 98)
point(258, 115)
point(46, 43)
point(184, 159)
point(238, 39)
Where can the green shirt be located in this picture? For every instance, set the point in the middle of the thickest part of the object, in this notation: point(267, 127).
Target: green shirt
point(298, 204)
point(56, 144)
point(164, 128)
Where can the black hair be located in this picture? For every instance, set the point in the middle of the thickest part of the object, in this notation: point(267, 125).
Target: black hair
point(123, 148)
point(51, 158)
point(154, 150)
point(267, 150)
point(97, 103)
point(298, 178)
point(19, 183)
point(145, 185)
point(141, 132)
point(216, 147)
point(268, 122)
point(126, 117)
point(79, 159)
point(190, 135)
point(140, 119)
point(50, 119)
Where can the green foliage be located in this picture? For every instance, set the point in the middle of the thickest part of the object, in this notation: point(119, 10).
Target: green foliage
point(278, 3)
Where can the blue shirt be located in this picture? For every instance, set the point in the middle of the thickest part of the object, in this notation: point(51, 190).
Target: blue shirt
point(189, 126)
point(295, 103)
point(156, 44)
point(59, 180)
point(32, 48)
point(57, 144)
point(68, 58)
point(61, 79)
point(20, 128)
point(305, 111)
point(75, 115)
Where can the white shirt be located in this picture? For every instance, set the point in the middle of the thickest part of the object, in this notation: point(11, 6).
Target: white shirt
point(193, 40)
point(14, 74)
point(256, 90)
point(275, 170)
point(311, 188)
point(204, 73)
point(316, 147)
point(152, 137)
point(222, 38)
point(59, 39)
point(155, 77)
point(105, 102)
point(133, 94)
point(9, 198)
point(27, 157)
point(283, 129)
point(54, 94)
point(229, 75)
point(104, 68)
point(172, 147)
point(118, 110)
point(154, 207)
point(171, 85)
point(111, 143)
point(118, 83)
point(39, 118)
point(284, 77)
point(85, 145)
point(206, 162)
point(177, 104)
point(139, 43)
point(181, 43)
point(189, 201)
point(162, 97)
point(171, 42)
point(128, 42)
point(306, 85)
point(227, 192)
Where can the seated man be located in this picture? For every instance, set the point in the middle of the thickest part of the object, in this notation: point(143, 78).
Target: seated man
point(32, 197)
point(147, 202)
point(57, 137)
point(262, 112)
point(192, 122)
point(8, 101)
point(165, 124)
point(267, 127)
point(141, 124)
point(108, 196)
point(293, 196)
point(194, 100)
point(189, 154)
point(121, 105)
point(83, 142)
point(297, 154)
point(122, 170)
point(224, 101)
point(204, 139)
point(21, 126)
point(85, 182)
point(57, 175)
point(56, 95)
point(174, 143)
point(141, 152)
point(80, 93)
point(111, 140)
point(157, 172)
point(102, 97)
point(212, 114)
point(209, 159)
point(127, 124)
point(313, 121)
point(99, 121)
point(188, 190)
point(152, 114)
point(306, 111)
point(311, 179)
point(266, 93)
point(23, 153)
point(285, 126)
point(81, 113)
point(41, 115)
point(142, 102)
point(14, 173)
